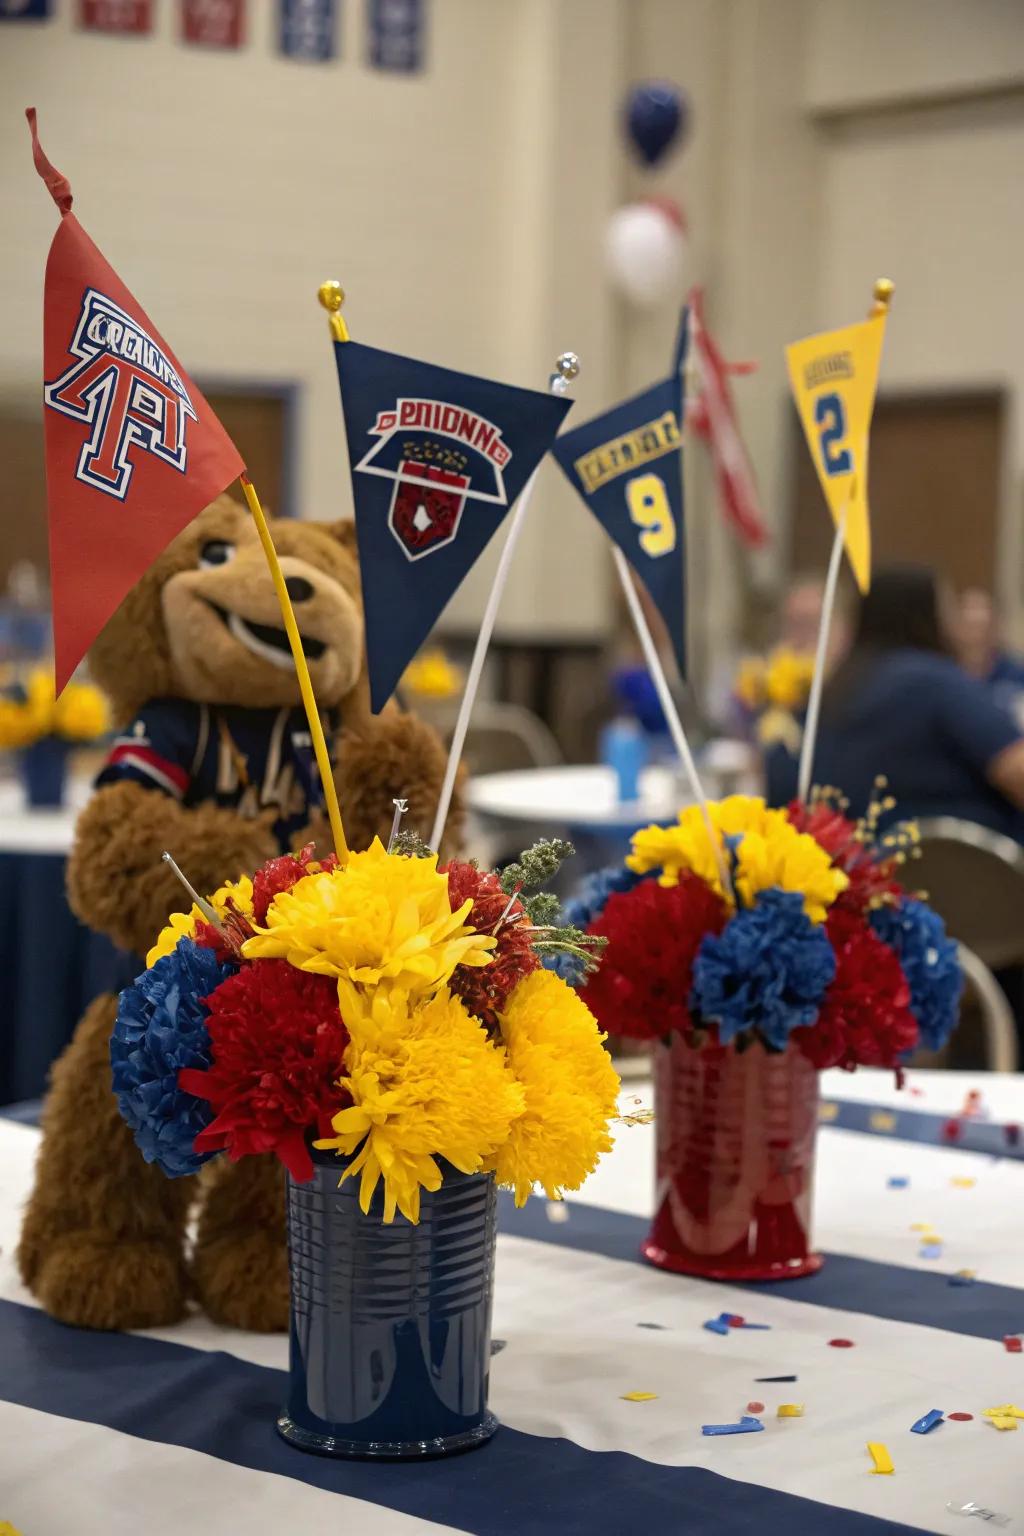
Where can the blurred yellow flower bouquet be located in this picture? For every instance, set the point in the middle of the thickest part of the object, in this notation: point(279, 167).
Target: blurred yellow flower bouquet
point(42, 729)
point(771, 692)
point(395, 1014)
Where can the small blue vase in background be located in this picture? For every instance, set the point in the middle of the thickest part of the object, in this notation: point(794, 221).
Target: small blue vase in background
point(624, 749)
point(390, 1325)
point(44, 771)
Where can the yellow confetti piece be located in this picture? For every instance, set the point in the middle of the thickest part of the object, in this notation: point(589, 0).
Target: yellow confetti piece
point(1003, 1421)
point(880, 1456)
point(966, 1274)
point(7, 1529)
point(1006, 1411)
point(921, 1226)
point(557, 1211)
point(638, 1397)
point(790, 1411)
point(882, 1120)
point(827, 1111)
point(963, 1183)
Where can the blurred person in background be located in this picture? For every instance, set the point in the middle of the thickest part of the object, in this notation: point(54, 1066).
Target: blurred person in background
point(981, 651)
point(898, 704)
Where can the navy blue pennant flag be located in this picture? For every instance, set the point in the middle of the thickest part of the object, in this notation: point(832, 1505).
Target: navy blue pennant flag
point(437, 459)
point(627, 465)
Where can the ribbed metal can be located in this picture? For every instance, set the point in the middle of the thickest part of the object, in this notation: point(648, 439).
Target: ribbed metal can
point(390, 1324)
point(736, 1134)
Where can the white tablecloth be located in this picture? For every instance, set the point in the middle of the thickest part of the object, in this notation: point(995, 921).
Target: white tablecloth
point(25, 830)
point(585, 796)
point(171, 1432)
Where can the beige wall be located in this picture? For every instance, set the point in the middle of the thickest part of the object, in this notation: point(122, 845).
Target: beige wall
point(463, 210)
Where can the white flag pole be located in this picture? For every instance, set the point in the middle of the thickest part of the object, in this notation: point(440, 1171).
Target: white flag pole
point(828, 603)
point(881, 299)
point(566, 368)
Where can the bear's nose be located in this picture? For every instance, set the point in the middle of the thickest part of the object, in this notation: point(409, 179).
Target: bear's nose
point(298, 588)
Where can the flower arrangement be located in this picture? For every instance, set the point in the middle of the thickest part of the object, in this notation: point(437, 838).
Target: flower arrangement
point(431, 675)
point(388, 1010)
point(30, 712)
point(810, 939)
point(771, 691)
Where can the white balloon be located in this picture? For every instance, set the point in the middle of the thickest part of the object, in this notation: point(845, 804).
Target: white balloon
point(644, 252)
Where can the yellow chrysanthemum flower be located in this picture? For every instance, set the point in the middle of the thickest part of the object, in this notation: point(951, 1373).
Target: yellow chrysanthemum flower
point(426, 1083)
point(182, 925)
point(432, 675)
point(788, 678)
point(81, 713)
point(749, 686)
point(766, 851)
point(28, 719)
point(381, 917)
point(554, 1049)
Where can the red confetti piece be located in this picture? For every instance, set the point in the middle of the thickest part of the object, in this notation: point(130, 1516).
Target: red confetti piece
point(961, 1418)
point(734, 1320)
point(1012, 1344)
point(755, 1407)
point(841, 1343)
point(951, 1130)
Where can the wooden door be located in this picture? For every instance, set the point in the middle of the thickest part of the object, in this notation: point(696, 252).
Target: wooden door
point(934, 485)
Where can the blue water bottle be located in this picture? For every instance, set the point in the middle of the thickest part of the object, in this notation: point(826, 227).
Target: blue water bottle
point(624, 749)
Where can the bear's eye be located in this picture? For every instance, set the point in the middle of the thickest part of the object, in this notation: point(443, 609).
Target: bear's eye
point(216, 552)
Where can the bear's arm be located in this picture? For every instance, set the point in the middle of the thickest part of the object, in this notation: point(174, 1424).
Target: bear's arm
point(117, 881)
point(393, 755)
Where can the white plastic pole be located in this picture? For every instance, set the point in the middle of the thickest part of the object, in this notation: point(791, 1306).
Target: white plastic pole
point(567, 368)
point(828, 603)
point(668, 705)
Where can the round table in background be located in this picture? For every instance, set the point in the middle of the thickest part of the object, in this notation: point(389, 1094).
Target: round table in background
point(52, 966)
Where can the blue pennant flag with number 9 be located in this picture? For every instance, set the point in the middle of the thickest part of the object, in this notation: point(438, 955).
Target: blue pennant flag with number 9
point(627, 465)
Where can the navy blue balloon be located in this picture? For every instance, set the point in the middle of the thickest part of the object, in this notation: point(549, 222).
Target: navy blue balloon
point(656, 110)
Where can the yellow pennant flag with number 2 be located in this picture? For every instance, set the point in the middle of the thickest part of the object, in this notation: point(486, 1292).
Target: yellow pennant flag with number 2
point(834, 377)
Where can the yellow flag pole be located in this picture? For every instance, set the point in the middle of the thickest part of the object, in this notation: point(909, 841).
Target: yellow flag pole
point(316, 729)
point(880, 301)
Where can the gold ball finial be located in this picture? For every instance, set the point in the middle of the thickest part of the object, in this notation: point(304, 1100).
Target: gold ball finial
point(331, 295)
point(882, 296)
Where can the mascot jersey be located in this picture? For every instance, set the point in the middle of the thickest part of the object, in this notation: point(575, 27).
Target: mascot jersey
point(247, 760)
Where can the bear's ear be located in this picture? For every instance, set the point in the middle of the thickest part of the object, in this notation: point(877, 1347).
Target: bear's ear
point(344, 530)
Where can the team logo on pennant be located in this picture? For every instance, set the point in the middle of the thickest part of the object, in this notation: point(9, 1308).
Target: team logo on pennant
point(439, 456)
point(125, 388)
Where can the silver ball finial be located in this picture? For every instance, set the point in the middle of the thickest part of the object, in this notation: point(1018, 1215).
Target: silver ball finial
point(567, 367)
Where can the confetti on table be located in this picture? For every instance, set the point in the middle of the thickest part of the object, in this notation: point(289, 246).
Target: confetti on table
point(716, 1325)
point(755, 1407)
point(733, 1319)
point(828, 1111)
point(989, 1515)
point(880, 1456)
point(927, 1422)
point(963, 1183)
point(790, 1411)
point(962, 1277)
point(898, 1181)
point(497, 1345)
point(882, 1120)
point(638, 1397)
point(961, 1418)
point(775, 1378)
point(1003, 1421)
point(840, 1343)
point(757, 1327)
point(921, 1226)
point(1012, 1343)
point(746, 1426)
point(557, 1211)
point(930, 1250)
point(1005, 1411)
point(660, 1326)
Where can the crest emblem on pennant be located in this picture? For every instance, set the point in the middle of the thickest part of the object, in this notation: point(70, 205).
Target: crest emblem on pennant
point(439, 456)
point(125, 388)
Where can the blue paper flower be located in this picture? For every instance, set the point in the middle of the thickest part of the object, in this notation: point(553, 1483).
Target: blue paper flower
point(768, 970)
point(929, 960)
point(571, 968)
point(593, 893)
point(160, 1028)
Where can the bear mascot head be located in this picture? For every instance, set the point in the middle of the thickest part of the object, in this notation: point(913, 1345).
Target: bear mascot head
point(213, 763)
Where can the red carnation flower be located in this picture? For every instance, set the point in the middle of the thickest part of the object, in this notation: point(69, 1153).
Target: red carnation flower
point(865, 1019)
point(485, 988)
point(281, 874)
point(871, 874)
point(641, 989)
point(277, 1044)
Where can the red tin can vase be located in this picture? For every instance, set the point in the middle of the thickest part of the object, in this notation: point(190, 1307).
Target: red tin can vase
point(736, 1134)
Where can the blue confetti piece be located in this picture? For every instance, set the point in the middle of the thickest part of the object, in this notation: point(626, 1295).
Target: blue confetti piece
point(662, 1328)
point(931, 1251)
point(775, 1378)
point(716, 1325)
point(497, 1345)
point(898, 1182)
point(926, 1423)
point(758, 1327)
point(961, 1280)
point(746, 1426)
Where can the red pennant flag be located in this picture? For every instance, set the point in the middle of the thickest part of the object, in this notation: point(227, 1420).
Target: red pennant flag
point(133, 451)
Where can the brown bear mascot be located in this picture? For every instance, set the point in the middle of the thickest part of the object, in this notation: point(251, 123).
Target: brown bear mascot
point(214, 765)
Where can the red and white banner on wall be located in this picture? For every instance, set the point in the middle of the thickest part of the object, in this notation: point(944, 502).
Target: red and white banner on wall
point(128, 16)
point(213, 23)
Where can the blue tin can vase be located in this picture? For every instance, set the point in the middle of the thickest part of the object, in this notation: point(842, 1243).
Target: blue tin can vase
point(390, 1325)
point(44, 772)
